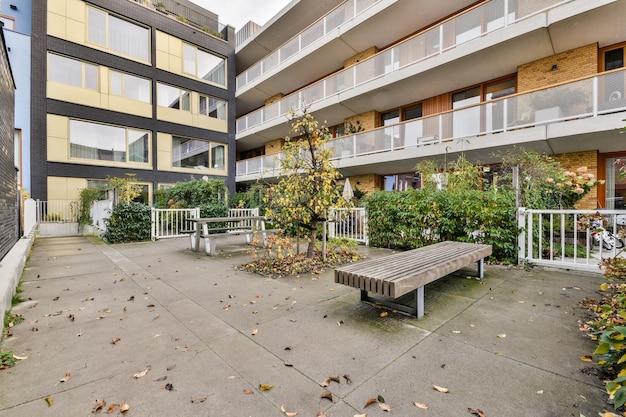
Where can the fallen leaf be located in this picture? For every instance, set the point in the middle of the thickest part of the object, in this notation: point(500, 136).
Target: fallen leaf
point(326, 382)
point(50, 401)
point(112, 408)
point(335, 378)
point(384, 407)
point(150, 305)
point(348, 379)
point(321, 413)
point(255, 331)
point(370, 402)
point(20, 358)
point(196, 400)
point(384, 314)
point(115, 340)
point(501, 335)
point(328, 395)
point(168, 387)
point(99, 405)
point(171, 367)
point(163, 378)
point(540, 391)
point(586, 358)
point(124, 407)
point(266, 387)
point(440, 389)
point(287, 413)
point(380, 399)
point(478, 412)
point(360, 415)
point(248, 391)
point(288, 348)
point(67, 377)
point(421, 405)
point(141, 374)
point(456, 331)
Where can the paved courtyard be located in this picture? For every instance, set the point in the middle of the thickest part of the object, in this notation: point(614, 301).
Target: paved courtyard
point(170, 332)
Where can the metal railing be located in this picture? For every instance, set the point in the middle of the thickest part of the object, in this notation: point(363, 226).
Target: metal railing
point(565, 239)
point(58, 211)
point(168, 223)
point(328, 24)
point(589, 97)
point(348, 223)
point(462, 28)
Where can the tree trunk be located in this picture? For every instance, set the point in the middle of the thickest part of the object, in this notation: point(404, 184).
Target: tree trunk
point(310, 251)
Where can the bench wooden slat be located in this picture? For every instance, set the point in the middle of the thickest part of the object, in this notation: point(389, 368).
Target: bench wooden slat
point(400, 273)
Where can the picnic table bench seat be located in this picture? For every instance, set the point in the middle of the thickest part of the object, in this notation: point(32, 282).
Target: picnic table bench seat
point(398, 274)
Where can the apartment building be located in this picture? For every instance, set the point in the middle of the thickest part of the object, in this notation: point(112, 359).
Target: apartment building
point(400, 81)
point(125, 87)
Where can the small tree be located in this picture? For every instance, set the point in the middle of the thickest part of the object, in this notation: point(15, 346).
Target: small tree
point(308, 182)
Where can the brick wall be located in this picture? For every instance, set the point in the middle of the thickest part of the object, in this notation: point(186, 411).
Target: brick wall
point(360, 57)
point(273, 147)
point(368, 121)
point(366, 183)
point(571, 162)
point(572, 64)
point(9, 210)
point(274, 99)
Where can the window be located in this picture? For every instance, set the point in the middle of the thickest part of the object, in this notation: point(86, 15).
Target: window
point(129, 86)
point(8, 21)
point(118, 35)
point(204, 65)
point(194, 153)
point(614, 59)
point(72, 72)
point(402, 182)
point(172, 97)
point(390, 118)
point(213, 107)
point(107, 143)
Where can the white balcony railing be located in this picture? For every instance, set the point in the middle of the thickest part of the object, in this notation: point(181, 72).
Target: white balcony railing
point(327, 24)
point(590, 97)
point(462, 28)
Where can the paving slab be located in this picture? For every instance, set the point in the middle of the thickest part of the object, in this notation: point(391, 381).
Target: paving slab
point(216, 332)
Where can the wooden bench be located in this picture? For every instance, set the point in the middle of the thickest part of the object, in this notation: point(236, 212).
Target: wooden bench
point(396, 275)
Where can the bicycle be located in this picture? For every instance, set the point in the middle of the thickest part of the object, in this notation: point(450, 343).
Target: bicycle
point(602, 236)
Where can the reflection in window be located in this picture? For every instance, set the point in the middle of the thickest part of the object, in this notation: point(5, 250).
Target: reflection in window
point(72, 72)
point(204, 65)
point(190, 153)
point(213, 107)
point(121, 35)
point(107, 143)
point(129, 86)
point(172, 97)
point(615, 187)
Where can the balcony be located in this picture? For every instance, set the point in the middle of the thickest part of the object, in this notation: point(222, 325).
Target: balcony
point(570, 117)
point(419, 60)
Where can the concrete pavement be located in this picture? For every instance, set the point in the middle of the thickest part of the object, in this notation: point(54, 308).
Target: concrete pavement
point(176, 333)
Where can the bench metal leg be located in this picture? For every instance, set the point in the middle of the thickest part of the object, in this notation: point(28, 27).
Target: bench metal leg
point(418, 311)
point(481, 268)
point(210, 245)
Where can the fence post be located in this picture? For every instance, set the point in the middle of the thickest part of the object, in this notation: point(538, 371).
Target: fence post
point(521, 238)
point(153, 217)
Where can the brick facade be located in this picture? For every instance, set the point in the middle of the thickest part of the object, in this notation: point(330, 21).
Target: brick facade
point(368, 120)
point(366, 183)
point(360, 57)
point(273, 147)
point(9, 207)
point(570, 65)
point(573, 161)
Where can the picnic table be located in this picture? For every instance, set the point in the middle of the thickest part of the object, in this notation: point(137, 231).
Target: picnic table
point(210, 229)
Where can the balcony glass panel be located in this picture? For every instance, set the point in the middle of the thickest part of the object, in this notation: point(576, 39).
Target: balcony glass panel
point(338, 16)
point(410, 134)
point(290, 103)
point(255, 119)
point(375, 141)
point(271, 61)
point(374, 67)
point(339, 82)
point(312, 33)
point(611, 92)
point(289, 49)
point(272, 111)
point(313, 94)
point(342, 147)
point(242, 124)
point(494, 15)
point(254, 72)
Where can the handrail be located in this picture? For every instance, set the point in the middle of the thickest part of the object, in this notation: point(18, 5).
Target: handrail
point(421, 46)
point(586, 97)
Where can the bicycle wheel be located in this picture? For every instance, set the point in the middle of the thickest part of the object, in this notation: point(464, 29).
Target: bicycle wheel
point(619, 243)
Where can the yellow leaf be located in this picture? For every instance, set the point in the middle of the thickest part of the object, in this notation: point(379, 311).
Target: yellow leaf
point(141, 374)
point(124, 407)
point(421, 405)
point(266, 387)
point(622, 373)
point(586, 358)
point(604, 286)
point(50, 401)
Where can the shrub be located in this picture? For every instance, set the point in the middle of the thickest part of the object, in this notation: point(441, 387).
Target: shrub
point(415, 218)
point(128, 222)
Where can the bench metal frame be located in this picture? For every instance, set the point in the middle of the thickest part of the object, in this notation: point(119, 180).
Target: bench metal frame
point(402, 273)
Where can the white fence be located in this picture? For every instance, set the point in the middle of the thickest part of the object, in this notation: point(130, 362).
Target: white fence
point(348, 223)
point(167, 223)
point(566, 238)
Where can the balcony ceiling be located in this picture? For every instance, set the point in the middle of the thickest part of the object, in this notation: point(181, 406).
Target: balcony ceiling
point(399, 19)
point(285, 25)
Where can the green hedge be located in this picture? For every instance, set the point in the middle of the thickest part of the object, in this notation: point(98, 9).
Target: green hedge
point(129, 222)
point(415, 218)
